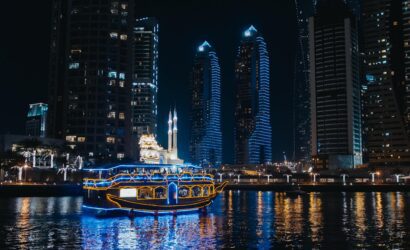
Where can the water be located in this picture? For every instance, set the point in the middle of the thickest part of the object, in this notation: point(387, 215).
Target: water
point(236, 219)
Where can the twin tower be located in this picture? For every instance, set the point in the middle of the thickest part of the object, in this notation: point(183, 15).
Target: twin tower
point(252, 129)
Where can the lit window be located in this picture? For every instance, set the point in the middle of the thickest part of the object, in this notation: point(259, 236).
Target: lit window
point(76, 51)
point(114, 35)
point(121, 116)
point(112, 74)
point(110, 139)
point(81, 139)
point(123, 37)
point(120, 156)
point(121, 76)
point(112, 83)
point(111, 114)
point(121, 84)
point(128, 192)
point(70, 138)
point(124, 6)
point(75, 65)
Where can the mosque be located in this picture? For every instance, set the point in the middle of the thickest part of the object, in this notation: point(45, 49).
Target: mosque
point(152, 153)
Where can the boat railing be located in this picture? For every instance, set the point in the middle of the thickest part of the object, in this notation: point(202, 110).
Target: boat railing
point(130, 178)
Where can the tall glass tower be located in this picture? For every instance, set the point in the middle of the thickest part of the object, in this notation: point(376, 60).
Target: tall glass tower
point(145, 77)
point(335, 86)
point(386, 39)
point(253, 131)
point(206, 136)
point(90, 83)
point(301, 106)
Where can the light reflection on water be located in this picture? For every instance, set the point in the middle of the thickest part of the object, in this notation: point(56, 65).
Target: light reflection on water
point(236, 219)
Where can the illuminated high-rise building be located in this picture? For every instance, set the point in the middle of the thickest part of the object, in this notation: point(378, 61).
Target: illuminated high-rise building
point(386, 69)
point(335, 86)
point(145, 77)
point(206, 136)
point(91, 78)
point(253, 131)
point(301, 97)
point(37, 120)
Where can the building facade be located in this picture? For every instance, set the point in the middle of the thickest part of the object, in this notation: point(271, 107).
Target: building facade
point(206, 136)
point(335, 87)
point(253, 131)
point(145, 77)
point(386, 66)
point(37, 120)
point(91, 75)
point(301, 97)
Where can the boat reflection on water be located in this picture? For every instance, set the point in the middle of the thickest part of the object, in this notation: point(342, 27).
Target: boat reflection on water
point(236, 219)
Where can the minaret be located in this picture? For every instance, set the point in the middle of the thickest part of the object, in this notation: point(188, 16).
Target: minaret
point(170, 131)
point(175, 130)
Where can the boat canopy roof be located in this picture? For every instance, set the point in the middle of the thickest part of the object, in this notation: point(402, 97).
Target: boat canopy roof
point(142, 166)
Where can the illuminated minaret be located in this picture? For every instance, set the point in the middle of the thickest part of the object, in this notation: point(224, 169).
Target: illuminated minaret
point(170, 131)
point(175, 130)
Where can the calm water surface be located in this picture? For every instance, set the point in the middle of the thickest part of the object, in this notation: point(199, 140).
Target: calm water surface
point(236, 219)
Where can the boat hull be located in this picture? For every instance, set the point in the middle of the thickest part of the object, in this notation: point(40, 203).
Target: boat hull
point(108, 202)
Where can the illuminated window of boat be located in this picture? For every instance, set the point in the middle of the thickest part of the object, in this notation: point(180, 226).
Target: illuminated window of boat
point(183, 192)
point(145, 193)
point(196, 191)
point(128, 192)
point(206, 191)
point(160, 193)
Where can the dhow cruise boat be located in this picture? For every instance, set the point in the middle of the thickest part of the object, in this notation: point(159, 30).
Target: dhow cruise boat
point(149, 189)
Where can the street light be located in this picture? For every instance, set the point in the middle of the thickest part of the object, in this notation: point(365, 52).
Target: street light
point(344, 178)
point(314, 176)
point(287, 177)
point(372, 174)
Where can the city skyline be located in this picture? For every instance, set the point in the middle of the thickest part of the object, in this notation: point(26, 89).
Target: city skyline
point(284, 141)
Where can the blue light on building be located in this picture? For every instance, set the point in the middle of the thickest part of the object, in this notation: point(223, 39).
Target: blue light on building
point(36, 120)
point(253, 132)
point(206, 135)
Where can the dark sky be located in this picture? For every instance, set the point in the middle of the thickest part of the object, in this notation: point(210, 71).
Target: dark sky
point(183, 26)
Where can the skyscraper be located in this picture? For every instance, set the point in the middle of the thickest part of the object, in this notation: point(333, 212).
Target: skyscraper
point(253, 132)
point(335, 86)
point(206, 136)
point(301, 97)
point(57, 68)
point(91, 76)
point(386, 40)
point(145, 77)
point(37, 120)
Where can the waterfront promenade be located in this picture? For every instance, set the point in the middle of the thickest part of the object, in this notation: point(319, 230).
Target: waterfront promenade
point(75, 189)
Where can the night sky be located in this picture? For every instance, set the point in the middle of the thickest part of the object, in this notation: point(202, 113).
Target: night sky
point(24, 46)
